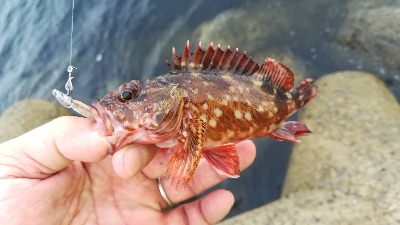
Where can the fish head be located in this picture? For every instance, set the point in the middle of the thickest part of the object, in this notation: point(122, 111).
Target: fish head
point(139, 112)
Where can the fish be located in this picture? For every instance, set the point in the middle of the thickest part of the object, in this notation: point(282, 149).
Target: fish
point(209, 101)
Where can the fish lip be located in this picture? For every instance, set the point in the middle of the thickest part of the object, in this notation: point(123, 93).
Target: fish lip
point(103, 122)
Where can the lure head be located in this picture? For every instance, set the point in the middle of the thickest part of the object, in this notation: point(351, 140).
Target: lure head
point(138, 112)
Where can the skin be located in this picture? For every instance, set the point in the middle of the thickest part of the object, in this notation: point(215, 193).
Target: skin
point(60, 173)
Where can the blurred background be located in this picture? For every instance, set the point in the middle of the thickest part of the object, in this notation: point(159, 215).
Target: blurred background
point(117, 41)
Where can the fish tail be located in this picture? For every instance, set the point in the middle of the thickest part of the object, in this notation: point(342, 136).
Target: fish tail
point(304, 92)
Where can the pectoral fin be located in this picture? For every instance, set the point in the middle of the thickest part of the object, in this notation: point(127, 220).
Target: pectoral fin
point(184, 161)
point(224, 159)
point(289, 131)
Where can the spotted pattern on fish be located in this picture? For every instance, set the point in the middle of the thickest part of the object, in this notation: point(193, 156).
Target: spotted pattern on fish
point(210, 100)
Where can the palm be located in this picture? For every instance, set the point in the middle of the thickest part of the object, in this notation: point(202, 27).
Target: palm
point(44, 181)
point(93, 193)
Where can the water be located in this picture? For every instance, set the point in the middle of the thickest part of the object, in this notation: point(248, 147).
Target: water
point(117, 41)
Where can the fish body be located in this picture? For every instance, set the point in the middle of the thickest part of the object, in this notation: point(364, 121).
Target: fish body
point(209, 101)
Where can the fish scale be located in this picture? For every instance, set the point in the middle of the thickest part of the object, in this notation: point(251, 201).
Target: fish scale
point(209, 101)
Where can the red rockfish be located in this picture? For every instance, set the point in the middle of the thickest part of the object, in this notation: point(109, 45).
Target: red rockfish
point(209, 101)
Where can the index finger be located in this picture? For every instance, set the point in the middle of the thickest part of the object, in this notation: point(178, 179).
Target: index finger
point(52, 147)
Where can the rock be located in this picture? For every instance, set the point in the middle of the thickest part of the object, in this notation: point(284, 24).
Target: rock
point(26, 115)
point(373, 31)
point(347, 171)
point(354, 119)
point(370, 4)
point(244, 28)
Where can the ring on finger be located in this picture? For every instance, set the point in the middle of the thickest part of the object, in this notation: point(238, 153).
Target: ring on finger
point(163, 193)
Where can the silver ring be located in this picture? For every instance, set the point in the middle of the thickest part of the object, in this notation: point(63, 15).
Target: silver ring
point(162, 192)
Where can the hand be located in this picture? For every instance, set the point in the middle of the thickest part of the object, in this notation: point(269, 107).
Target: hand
point(60, 173)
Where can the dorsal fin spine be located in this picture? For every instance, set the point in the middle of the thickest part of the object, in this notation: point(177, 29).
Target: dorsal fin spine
point(176, 59)
point(195, 63)
point(216, 57)
point(253, 68)
point(207, 59)
point(239, 69)
point(224, 58)
point(272, 74)
point(186, 55)
point(229, 63)
point(169, 65)
point(248, 66)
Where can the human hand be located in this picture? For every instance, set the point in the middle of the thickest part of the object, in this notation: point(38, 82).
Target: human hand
point(61, 173)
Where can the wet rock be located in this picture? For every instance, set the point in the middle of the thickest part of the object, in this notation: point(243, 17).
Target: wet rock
point(347, 171)
point(370, 4)
point(354, 118)
point(250, 29)
point(247, 29)
point(26, 115)
point(372, 28)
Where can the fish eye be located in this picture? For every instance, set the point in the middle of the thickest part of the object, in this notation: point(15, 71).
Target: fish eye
point(126, 95)
point(127, 92)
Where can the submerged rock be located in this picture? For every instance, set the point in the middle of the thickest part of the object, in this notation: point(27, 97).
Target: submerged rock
point(347, 171)
point(26, 115)
point(373, 31)
point(249, 29)
point(254, 31)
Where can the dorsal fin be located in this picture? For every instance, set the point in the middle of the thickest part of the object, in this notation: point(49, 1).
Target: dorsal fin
point(214, 60)
point(275, 74)
point(271, 73)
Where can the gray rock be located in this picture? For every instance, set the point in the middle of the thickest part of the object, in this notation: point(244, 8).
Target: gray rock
point(347, 171)
point(26, 115)
point(253, 30)
point(250, 29)
point(370, 4)
point(374, 32)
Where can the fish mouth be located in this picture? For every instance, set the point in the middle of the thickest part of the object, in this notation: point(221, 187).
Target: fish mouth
point(104, 121)
point(108, 126)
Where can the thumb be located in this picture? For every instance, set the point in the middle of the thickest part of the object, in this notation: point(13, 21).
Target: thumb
point(52, 147)
point(131, 159)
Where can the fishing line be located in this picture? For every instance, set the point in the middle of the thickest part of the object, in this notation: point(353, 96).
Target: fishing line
point(64, 99)
point(72, 30)
point(68, 85)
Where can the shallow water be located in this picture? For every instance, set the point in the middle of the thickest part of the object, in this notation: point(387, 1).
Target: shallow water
point(117, 41)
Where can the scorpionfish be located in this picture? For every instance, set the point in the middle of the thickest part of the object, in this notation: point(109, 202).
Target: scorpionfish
point(209, 101)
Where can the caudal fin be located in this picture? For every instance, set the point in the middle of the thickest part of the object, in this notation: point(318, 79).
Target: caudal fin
point(304, 92)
